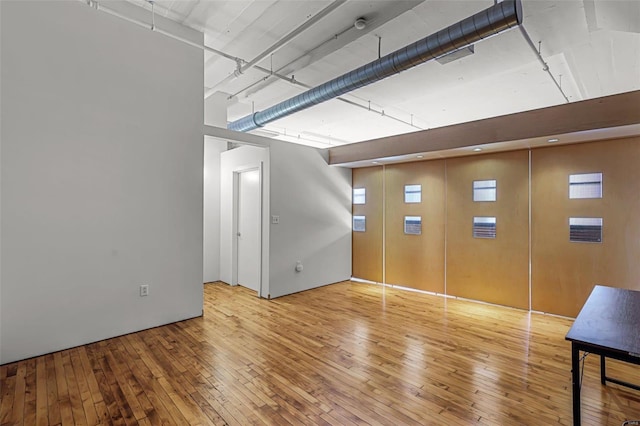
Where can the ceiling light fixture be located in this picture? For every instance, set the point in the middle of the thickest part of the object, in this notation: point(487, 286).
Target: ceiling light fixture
point(477, 149)
point(374, 162)
point(552, 140)
point(420, 156)
point(360, 24)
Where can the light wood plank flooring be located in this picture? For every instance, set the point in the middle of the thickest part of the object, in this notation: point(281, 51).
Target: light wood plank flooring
point(345, 354)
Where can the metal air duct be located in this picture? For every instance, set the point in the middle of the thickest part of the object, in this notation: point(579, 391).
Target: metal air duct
point(488, 22)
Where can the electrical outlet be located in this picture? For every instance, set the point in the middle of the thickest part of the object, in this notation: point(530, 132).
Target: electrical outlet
point(144, 290)
point(275, 220)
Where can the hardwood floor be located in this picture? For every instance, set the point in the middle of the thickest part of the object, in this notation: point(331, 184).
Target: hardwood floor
point(345, 354)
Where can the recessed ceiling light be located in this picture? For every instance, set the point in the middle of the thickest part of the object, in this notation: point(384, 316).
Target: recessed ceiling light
point(477, 149)
point(374, 162)
point(552, 140)
point(420, 156)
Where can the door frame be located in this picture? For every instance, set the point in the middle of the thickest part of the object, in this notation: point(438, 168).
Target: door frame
point(234, 230)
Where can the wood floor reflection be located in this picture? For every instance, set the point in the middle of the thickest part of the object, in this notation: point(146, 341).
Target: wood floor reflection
point(344, 354)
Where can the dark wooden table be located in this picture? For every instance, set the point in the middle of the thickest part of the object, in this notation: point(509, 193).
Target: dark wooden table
point(608, 325)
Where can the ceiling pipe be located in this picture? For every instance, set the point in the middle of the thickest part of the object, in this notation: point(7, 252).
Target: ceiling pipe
point(106, 9)
point(297, 31)
point(488, 22)
point(321, 50)
point(284, 40)
point(296, 82)
point(545, 66)
point(102, 8)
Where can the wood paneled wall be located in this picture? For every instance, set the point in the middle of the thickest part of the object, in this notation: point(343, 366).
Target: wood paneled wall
point(367, 246)
point(564, 273)
point(492, 270)
point(415, 261)
point(497, 270)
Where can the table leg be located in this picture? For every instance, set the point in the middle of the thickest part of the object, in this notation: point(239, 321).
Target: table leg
point(575, 379)
point(603, 371)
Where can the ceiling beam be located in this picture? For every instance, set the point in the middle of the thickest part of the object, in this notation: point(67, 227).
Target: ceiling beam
point(593, 114)
point(236, 137)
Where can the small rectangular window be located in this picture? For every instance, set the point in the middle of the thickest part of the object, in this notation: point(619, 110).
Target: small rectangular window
point(413, 193)
point(585, 185)
point(484, 190)
point(359, 195)
point(484, 227)
point(359, 223)
point(585, 229)
point(413, 225)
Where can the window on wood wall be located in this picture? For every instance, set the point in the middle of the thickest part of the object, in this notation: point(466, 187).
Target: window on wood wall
point(359, 195)
point(413, 193)
point(484, 190)
point(585, 185)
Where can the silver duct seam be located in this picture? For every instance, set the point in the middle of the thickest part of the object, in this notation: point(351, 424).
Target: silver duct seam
point(488, 22)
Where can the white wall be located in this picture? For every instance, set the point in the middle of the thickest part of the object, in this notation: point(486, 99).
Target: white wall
point(313, 201)
point(215, 114)
point(215, 110)
point(101, 174)
point(235, 160)
point(211, 245)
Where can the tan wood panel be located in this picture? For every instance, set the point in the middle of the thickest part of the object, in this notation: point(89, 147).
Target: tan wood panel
point(415, 260)
point(367, 246)
point(344, 354)
point(491, 270)
point(563, 273)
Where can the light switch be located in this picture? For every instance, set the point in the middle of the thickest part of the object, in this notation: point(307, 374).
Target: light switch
point(275, 220)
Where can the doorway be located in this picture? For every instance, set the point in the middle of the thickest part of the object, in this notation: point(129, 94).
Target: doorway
point(249, 241)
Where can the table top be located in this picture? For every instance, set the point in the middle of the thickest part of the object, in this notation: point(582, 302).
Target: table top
point(610, 318)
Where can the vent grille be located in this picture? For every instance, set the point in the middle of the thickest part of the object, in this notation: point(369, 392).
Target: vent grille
point(359, 224)
point(585, 229)
point(484, 227)
point(413, 225)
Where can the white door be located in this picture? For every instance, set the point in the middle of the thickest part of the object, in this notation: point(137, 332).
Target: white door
point(249, 230)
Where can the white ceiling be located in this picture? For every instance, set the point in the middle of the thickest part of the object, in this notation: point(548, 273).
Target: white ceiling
point(591, 46)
